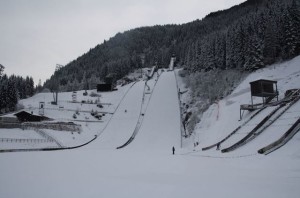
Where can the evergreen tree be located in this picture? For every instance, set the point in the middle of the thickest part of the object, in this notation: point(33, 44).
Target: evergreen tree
point(271, 44)
point(3, 92)
point(93, 82)
point(294, 24)
point(12, 96)
point(1, 69)
point(39, 87)
point(12, 89)
point(255, 58)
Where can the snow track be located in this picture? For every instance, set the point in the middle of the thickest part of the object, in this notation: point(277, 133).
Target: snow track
point(161, 126)
point(100, 132)
point(157, 110)
point(122, 122)
point(144, 105)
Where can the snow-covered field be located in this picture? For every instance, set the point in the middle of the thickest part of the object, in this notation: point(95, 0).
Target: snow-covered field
point(146, 167)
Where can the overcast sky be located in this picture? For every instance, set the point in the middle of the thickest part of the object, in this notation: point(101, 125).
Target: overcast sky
point(35, 35)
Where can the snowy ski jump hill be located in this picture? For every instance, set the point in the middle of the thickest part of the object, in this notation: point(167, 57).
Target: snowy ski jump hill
point(223, 117)
point(142, 119)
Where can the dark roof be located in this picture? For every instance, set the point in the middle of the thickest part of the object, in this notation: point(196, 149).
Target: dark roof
point(104, 87)
point(25, 116)
point(263, 80)
point(263, 88)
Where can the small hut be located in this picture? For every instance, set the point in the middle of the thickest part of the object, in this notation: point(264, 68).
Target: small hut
point(266, 89)
point(104, 87)
point(109, 83)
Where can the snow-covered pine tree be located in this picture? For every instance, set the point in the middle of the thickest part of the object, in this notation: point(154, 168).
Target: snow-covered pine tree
point(39, 87)
point(1, 70)
point(291, 27)
point(12, 96)
point(3, 92)
point(29, 86)
point(93, 81)
point(294, 11)
point(255, 58)
point(209, 54)
point(271, 43)
point(229, 48)
point(84, 83)
point(220, 51)
point(21, 86)
point(75, 84)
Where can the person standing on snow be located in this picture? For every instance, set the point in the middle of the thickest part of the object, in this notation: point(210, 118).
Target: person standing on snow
point(173, 149)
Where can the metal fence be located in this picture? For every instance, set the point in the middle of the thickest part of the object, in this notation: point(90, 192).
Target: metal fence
point(17, 140)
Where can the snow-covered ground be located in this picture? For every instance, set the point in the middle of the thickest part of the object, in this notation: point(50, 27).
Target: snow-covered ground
point(63, 112)
point(146, 167)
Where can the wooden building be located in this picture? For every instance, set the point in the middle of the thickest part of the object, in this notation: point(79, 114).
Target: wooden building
point(104, 87)
point(266, 89)
point(24, 116)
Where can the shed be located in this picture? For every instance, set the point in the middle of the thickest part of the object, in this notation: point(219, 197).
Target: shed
point(24, 116)
point(267, 89)
point(104, 87)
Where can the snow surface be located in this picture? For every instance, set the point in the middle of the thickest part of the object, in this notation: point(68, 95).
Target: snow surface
point(146, 167)
point(161, 127)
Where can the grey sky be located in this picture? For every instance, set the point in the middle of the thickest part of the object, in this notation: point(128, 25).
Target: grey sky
point(38, 34)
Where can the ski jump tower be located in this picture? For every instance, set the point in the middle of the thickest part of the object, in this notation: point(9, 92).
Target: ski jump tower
point(171, 65)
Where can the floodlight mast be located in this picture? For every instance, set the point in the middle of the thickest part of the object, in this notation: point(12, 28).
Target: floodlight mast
point(56, 86)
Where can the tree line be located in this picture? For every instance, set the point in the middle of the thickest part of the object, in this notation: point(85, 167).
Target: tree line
point(248, 36)
point(268, 34)
point(12, 89)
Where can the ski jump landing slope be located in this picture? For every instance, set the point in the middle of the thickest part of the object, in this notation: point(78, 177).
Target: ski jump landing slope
point(160, 129)
point(123, 122)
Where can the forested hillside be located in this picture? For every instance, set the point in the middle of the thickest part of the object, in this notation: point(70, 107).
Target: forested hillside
point(245, 37)
point(12, 89)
